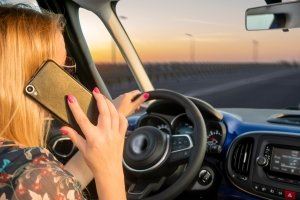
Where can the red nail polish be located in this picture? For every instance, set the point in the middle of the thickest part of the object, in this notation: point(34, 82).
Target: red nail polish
point(71, 98)
point(64, 132)
point(96, 90)
point(146, 95)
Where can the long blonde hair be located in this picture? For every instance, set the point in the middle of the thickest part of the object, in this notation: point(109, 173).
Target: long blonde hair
point(27, 38)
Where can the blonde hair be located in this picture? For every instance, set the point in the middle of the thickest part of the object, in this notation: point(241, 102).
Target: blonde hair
point(27, 39)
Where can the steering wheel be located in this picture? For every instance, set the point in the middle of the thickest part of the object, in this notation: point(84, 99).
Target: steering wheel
point(153, 159)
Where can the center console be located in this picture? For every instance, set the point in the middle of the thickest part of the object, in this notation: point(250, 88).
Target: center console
point(266, 164)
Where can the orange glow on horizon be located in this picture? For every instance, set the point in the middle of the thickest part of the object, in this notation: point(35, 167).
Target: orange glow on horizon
point(206, 51)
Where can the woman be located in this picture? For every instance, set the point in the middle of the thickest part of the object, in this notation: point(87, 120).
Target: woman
point(27, 170)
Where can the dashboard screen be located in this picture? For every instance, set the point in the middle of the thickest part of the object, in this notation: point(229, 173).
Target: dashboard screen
point(285, 161)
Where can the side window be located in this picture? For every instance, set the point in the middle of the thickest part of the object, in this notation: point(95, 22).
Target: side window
point(106, 55)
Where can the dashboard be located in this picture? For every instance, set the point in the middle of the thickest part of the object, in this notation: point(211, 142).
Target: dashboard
point(219, 174)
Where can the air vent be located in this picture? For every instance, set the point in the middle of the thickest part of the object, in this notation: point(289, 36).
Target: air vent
point(241, 158)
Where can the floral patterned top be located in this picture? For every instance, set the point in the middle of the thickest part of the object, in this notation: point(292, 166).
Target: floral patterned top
point(34, 174)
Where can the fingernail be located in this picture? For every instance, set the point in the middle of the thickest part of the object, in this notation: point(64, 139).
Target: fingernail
point(63, 131)
point(146, 95)
point(96, 90)
point(71, 98)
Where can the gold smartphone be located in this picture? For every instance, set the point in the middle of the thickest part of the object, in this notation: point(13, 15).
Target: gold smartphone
point(50, 86)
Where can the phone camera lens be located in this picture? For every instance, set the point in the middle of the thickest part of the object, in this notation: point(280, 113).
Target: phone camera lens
point(30, 89)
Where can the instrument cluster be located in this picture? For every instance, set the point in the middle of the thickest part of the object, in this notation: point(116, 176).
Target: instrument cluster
point(181, 124)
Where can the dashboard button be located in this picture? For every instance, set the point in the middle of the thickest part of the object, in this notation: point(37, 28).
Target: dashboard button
point(261, 161)
point(263, 188)
point(205, 177)
point(289, 195)
point(271, 191)
point(256, 186)
point(279, 192)
point(181, 142)
point(179, 156)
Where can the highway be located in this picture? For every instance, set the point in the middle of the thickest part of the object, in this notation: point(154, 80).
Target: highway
point(238, 85)
point(272, 89)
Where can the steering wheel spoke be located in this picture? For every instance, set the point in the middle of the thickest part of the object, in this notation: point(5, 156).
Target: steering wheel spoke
point(181, 146)
point(142, 188)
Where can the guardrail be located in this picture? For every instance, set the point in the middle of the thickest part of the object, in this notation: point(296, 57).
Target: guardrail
point(119, 75)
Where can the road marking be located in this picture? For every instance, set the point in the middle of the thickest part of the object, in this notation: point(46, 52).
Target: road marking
point(239, 83)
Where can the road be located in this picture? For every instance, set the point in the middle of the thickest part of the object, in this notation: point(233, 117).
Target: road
point(223, 86)
point(256, 89)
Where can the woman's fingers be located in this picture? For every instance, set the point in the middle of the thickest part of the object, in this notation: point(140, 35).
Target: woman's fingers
point(134, 93)
point(104, 119)
point(114, 115)
point(77, 140)
point(137, 103)
point(80, 117)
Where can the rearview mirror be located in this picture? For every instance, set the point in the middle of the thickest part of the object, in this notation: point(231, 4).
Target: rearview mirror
point(274, 16)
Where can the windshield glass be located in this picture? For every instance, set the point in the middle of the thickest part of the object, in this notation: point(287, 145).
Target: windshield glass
point(202, 49)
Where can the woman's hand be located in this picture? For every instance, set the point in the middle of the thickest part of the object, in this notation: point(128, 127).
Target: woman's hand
point(126, 106)
point(103, 145)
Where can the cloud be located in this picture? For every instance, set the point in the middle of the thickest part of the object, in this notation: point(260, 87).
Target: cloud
point(210, 37)
point(202, 22)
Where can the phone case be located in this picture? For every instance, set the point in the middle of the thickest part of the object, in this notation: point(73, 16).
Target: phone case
point(50, 86)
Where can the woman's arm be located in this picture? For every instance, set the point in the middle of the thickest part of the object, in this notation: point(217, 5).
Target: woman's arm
point(79, 169)
point(104, 182)
point(124, 104)
point(111, 184)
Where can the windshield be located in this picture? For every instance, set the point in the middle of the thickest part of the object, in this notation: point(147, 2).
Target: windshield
point(202, 49)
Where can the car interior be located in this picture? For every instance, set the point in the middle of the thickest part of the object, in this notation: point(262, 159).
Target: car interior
point(182, 146)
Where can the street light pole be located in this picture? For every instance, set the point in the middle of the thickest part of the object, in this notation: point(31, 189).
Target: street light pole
point(255, 50)
point(192, 46)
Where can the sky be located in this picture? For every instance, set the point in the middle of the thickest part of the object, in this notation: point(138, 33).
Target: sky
point(158, 31)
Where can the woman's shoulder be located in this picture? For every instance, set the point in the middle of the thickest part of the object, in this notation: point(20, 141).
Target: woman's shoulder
point(14, 157)
point(29, 173)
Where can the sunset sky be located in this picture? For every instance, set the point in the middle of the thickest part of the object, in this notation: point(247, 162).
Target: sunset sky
point(158, 27)
point(158, 30)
